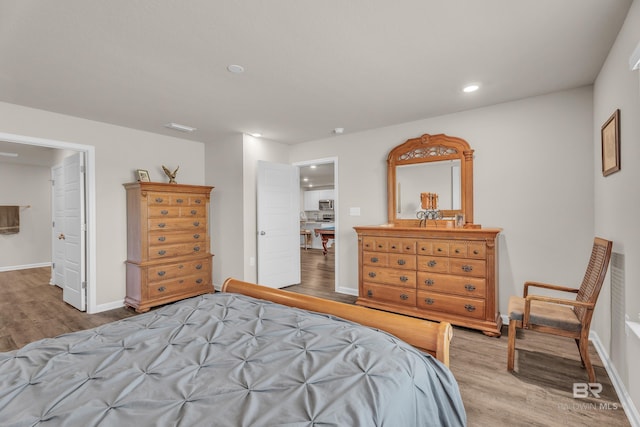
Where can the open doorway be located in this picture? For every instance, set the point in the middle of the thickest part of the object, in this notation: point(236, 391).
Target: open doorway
point(318, 224)
point(89, 253)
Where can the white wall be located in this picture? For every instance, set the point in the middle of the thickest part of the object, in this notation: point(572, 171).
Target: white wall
point(119, 151)
point(224, 171)
point(532, 177)
point(26, 186)
point(617, 205)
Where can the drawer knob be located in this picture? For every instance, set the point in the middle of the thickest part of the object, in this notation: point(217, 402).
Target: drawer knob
point(475, 252)
point(401, 262)
point(161, 239)
point(470, 287)
point(196, 223)
point(469, 307)
point(199, 281)
point(457, 251)
point(162, 252)
point(372, 274)
point(380, 246)
point(158, 199)
point(374, 259)
point(164, 212)
point(439, 249)
point(423, 249)
point(196, 236)
point(408, 248)
point(162, 289)
point(403, 278)
point(432, 263)
point(199, 267)
point(369, 293)
point(161, 273)
point(393, 246)
point(181, 266)
point(467, 268)
point(196, 248)
point(162, 225)
point(404, 297)
point(428, 282)
point(198, 201)
point(429, 301)
point(179, 200)
point(193, 211)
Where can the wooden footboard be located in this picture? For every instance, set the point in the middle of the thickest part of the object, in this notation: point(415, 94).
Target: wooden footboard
point(428, 336)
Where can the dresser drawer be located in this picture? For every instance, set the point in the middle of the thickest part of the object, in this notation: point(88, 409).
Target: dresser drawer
point(433, 247)
point(469, 307)
point(192, 211)
point(160, 211)
point(197, 200)
point(161, 237)
point(179, 285)
point(466, 286)
point(405, 246)
point(468, 250)
point(468, 267)
point(178, 224)
point(389, 276)
point(380, 259)
point(168, 251)
point(403, 261)
point(433, 263)
point(171, 271)
point(391, 294)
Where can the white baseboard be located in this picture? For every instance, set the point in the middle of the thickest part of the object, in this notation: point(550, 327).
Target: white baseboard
point(25, 266)
point(625, 399)
point(348, 291)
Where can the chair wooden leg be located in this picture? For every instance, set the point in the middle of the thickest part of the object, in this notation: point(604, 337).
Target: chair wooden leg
point(580, 351)
point(511, 348)
point(584, 354)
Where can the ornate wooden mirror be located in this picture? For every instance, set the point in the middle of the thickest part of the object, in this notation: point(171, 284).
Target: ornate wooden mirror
point(437, 164)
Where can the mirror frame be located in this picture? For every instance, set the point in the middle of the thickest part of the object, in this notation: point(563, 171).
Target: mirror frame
point(425, 149)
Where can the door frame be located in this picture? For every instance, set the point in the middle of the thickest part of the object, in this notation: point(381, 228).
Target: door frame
point(336, 206)
point(90, 201)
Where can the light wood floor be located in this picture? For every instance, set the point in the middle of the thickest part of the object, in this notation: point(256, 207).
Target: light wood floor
point(539, 393)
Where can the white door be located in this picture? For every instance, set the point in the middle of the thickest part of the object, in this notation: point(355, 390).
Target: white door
point(278, 224)
point(57, 208)
point(74, 289)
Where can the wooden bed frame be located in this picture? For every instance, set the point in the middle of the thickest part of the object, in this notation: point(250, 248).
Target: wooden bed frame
point(425, 335)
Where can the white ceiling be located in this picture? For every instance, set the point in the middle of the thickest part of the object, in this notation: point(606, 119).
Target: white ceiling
point(311, 66)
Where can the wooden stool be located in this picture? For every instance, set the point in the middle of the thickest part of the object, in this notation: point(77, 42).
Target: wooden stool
point(306, 234)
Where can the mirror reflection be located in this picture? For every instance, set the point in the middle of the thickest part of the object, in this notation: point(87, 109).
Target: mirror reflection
point(440, 177)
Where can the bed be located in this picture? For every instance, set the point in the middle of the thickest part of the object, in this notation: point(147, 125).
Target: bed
point(247, 356)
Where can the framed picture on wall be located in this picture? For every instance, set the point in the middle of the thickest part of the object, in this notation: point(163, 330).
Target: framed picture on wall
point(142, 175)
point(610, 135)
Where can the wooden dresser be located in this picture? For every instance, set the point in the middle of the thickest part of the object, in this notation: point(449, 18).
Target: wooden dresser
point(168, 256)
point(442, 274)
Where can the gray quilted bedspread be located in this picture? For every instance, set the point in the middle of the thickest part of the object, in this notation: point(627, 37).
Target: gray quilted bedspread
point(226, 360)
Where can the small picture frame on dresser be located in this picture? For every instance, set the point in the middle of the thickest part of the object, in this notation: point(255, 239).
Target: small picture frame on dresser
point(459, 220)
point(142, 175)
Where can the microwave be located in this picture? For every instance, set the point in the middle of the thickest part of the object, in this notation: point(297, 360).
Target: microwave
point(325, 205)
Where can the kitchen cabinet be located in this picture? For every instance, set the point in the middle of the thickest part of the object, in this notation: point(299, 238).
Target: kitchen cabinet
point(312, 197)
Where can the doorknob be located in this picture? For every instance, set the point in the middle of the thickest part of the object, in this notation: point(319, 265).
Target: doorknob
point(61, 237)
point(262, 233)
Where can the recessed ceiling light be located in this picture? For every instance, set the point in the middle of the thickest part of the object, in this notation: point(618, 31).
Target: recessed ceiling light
point(8, 154)
point(305, 179)
point(338, 131)
point(256, 135)
point(179, 127)
point(235, 69)
point(310, 185)
point(471, 88)
point(313, 166)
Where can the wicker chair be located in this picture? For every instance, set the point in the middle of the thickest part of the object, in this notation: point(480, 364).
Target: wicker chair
point(565, 317)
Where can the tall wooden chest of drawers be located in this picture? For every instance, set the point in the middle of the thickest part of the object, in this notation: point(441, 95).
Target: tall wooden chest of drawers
point(168, 255)
point(447, 274)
